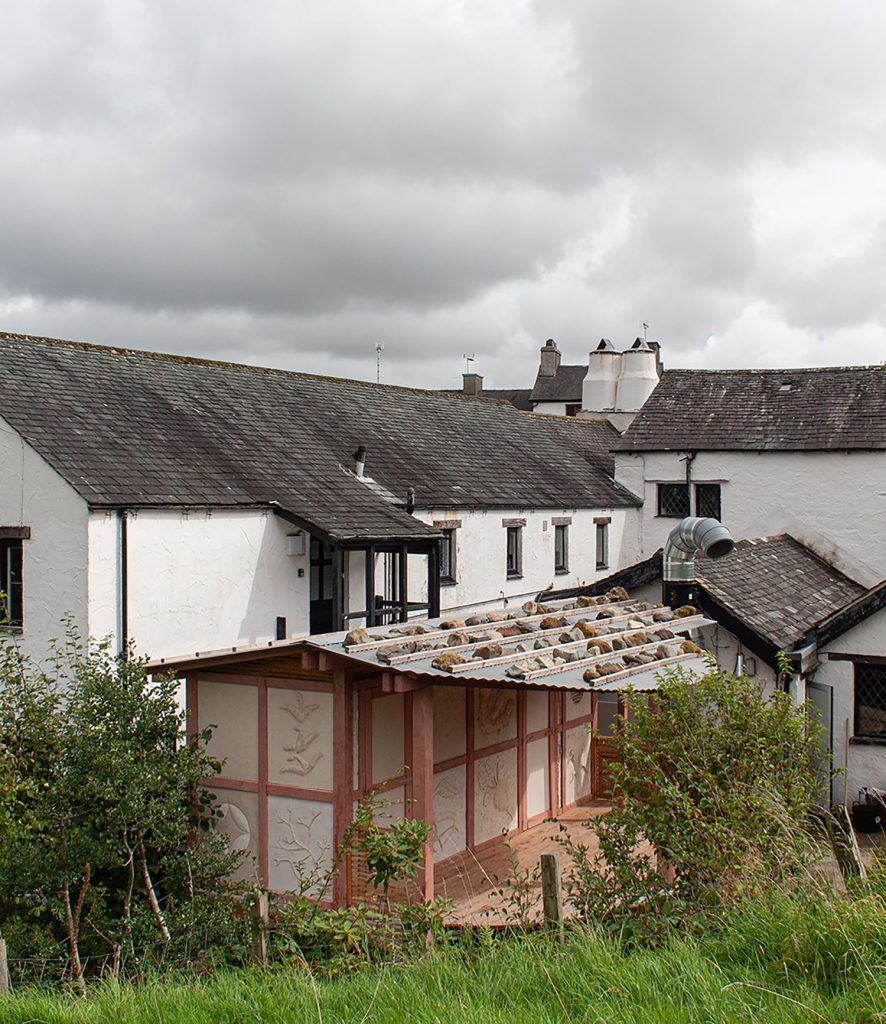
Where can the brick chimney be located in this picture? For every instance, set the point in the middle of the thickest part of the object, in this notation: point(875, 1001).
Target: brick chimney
point(549, 361)
point(471, 384)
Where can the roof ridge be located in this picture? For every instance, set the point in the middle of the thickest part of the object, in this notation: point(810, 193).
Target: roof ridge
point(174, 357)
point(773, 369)
point(583, 420)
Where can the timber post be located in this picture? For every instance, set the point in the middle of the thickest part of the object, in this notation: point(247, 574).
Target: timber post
point(552, 892)
point(343, 778)
point(422, 769)
point(4, 968)
point(260, 927)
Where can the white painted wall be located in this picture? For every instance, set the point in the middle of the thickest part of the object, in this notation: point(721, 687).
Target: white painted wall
point(867, 763)
point(54, 563)
point(835, 502)
point(550, 408)
point(481, 565)
point(198, 580)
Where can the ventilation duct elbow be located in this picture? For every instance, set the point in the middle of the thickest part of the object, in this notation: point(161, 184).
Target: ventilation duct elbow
point(689, 537)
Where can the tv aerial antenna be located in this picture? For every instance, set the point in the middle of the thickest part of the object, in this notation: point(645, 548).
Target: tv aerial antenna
point(379, 348)
point(645, 325)
point(469, 357)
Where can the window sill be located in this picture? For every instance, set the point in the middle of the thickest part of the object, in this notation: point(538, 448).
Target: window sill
point(669, 515)
point(600, 568)
point(448, 583)
point(515, 575)
point(11, 631)
point(867, 741)
point(561, 572)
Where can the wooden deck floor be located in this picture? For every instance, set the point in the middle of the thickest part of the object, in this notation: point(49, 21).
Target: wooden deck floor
point(473, 881)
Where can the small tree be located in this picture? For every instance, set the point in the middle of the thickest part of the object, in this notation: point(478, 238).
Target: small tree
point(110, 800)
point(394, 852)
point(713, 792)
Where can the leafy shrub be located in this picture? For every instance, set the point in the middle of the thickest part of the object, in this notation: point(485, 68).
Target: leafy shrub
point(99, 854)
point(712, 795)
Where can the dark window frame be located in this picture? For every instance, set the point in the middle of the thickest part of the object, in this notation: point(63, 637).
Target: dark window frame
point(668, 494)
point(704, 496)
point(860, 686)
point(561, 549)
point(601, 539)
point(514, 546)
point(12, 557)
point(449, 572)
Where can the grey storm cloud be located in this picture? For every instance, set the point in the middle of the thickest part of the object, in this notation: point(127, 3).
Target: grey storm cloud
point(292, 183)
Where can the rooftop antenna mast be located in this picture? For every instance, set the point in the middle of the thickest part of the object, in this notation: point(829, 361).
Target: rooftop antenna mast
point(645, 326)
point(469, 358)
point(379, 348)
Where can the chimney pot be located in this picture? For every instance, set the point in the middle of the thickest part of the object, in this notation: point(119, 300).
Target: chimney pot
point(549, 361)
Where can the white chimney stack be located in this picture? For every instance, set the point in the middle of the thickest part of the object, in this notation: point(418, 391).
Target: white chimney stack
point(599, 388)
point(618, 383)
point(638, 377)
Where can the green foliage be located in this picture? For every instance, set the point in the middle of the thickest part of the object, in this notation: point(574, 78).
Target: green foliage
point(98, 852)
point(393, 852)
point(743, 971)
point(335, 940)
point(713, 792)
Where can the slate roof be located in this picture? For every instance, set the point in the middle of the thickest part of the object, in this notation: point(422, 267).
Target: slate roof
point(777, 587)
point(564, 386)
point(821, 409)
point(518, 397)
point(133, 428)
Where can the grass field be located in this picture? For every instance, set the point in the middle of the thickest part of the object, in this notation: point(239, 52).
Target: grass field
point(785, 961)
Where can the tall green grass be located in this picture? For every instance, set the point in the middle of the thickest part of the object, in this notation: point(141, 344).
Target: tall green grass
point(789, 959)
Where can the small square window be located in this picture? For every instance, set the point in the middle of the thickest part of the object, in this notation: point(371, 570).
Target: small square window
point(707, 500)
point(673, 500)
point(515, 551)
point(11, 584)
point(602, 545)
point(870, 700)
point(561, 549)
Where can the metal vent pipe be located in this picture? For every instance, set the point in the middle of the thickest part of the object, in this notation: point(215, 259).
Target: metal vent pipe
point(359, 458)
point(689, 537)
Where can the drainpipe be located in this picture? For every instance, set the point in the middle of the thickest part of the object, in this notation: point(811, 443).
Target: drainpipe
point(689, 537)
point(689, 459)
point(122, 582)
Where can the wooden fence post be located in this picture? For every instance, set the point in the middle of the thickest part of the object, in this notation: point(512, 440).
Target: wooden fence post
point(842, 837)
point(4, 968)
point(260, 927)
point(552, 892)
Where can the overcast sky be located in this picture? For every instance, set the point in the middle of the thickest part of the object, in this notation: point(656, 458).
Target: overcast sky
point(289, 183)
